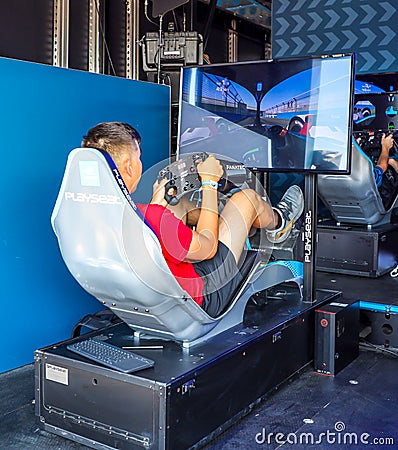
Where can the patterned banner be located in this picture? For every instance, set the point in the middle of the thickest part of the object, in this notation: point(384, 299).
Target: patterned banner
point(322, 27)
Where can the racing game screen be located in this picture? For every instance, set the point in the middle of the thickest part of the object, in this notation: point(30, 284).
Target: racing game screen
point(376, 111)
point(287, 115)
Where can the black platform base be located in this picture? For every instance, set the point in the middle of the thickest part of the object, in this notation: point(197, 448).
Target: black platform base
point(189, 395)
point(355, 250)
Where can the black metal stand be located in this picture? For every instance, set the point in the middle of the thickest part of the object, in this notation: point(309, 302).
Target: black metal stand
point(310, 237)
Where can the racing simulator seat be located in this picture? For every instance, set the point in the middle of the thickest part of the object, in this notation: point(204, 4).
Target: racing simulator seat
point(354, 199)
point(363, 241)
point(116, 257)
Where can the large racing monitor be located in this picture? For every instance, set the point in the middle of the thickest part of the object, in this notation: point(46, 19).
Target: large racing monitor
point(280, 115)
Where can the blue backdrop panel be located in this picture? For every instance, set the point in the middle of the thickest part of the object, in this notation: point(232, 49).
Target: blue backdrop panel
point(321, 27)
point(44, 112)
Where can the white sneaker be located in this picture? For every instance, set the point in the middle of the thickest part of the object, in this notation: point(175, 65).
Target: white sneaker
point(289, 208)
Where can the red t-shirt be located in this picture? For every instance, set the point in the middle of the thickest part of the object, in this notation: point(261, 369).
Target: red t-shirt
point(175, 238)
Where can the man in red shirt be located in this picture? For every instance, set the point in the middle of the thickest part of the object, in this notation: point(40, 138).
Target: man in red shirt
point(204, 260)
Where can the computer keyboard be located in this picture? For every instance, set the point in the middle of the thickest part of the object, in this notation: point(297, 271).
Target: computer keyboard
point(111, 356)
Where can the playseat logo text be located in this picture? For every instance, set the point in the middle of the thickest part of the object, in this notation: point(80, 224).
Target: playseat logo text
point(307, 237)
point(124, 189)
point(103, 199)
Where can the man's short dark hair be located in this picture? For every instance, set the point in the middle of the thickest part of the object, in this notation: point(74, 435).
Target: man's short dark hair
point(111, 137)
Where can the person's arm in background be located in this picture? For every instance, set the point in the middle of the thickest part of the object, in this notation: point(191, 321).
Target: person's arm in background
point(387, 141)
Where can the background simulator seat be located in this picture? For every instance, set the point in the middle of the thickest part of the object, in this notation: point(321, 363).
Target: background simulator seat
point(117, 258)
point(354, 198)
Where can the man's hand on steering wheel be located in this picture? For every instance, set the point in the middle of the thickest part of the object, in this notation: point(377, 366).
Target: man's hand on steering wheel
point(210, 169)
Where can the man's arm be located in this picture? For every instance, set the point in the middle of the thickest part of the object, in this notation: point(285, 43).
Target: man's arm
point(159, 192)
point(204, 242)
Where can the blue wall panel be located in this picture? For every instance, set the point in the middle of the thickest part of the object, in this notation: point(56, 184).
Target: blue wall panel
point(44, 112)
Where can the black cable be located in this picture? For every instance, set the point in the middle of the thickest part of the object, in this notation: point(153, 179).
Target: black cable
point(177, 25)
point(156, 57)
point(210, 17)
point(104, 39)
point(379, 348)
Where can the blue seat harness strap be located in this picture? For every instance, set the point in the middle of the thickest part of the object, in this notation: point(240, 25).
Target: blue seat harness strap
point(123, 187)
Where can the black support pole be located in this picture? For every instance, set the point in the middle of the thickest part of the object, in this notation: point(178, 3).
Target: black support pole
point(209, 22)
point(310, 237)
